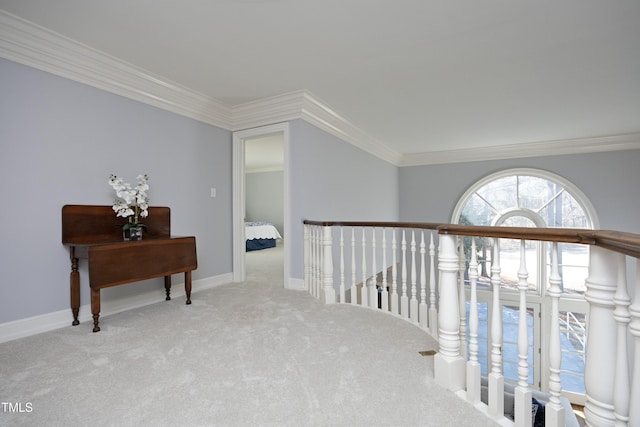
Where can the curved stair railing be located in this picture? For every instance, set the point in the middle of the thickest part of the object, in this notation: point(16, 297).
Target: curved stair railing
point(416, 271)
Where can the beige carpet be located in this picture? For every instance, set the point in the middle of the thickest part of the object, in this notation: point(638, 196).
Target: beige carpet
point(249, 354)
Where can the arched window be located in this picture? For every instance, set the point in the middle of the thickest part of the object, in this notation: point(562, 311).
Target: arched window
point(531, 198)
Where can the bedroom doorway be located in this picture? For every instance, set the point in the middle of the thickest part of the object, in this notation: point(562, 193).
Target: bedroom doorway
point(260, 200)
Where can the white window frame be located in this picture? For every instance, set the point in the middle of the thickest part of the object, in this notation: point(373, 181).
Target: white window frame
point(580, 197)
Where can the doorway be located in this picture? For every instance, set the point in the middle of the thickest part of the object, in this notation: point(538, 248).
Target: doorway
point(260, 154)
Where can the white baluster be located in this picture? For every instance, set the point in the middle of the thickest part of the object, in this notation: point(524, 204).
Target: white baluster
point(433, 310)
point(354, 288)
point(307, 258)
point(634, 328)
point(623, 318)
point(449, 366)
point(413, 302)
point(373, 284)
point(404, 300)
point(522, 395)
point(319, 273)
point(462, 299)
point(423, 310)
point(496, 379)
point(364, 295)
point(554, 412)
point(342, 286)
point(394, 275)
point(384, 295)
point(599, 369)
point(473, 366)
point(314, 261)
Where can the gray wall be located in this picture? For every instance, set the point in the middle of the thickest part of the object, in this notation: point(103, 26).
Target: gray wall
point(265, 198)
point(611, 181)
point(333, 180)
point(59, 141)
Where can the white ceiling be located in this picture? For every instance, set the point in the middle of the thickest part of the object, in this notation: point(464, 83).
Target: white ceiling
point(417, 75)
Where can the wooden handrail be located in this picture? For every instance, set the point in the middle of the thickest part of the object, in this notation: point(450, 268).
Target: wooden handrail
point(379, 224)
point(617, 241)
point(564, 235)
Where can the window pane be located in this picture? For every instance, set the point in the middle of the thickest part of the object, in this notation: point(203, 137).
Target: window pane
point(483, 335)
point(484, 261)
point(530, 201)
point(534, 193)
point(518, 221)
point(510, 256)
point(573, 266)
point(510, 263)
point(477, 212)
point(564, 211)
point(573, 215)
point(501, 193)
point(573, 336)
point(510, 319)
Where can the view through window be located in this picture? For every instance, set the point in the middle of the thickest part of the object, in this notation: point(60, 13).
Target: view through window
point(532, 198)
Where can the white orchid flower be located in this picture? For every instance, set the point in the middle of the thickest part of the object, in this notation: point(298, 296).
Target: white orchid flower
point(130, 201)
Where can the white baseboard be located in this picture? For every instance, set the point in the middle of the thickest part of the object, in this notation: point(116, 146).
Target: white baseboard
point(60, 319)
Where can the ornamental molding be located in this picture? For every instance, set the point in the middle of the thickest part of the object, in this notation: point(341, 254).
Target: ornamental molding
point(531, 149)
point(29, 44)
point(303, 105)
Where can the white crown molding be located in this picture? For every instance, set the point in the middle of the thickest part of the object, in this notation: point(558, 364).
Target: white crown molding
point(322, 116)
point(531, 149)
point(267, 111)
point(29, 44)
point(303, 105)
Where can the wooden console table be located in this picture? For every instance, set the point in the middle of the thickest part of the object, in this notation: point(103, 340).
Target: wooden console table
point(95, 233)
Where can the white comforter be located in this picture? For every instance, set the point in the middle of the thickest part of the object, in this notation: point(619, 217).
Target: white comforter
point(261, 230)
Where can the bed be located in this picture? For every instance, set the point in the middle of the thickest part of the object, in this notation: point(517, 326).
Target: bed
point(260, 235)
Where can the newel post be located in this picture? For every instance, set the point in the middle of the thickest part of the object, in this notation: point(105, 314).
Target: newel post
point(328, 294)
point(449, 366)
point(623, 318)
point(599, 370)
point(634, 328)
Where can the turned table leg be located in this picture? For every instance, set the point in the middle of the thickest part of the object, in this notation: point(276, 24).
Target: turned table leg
point(95, 308)
point(167, 287)
point(187, 285)
point(74, 282)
